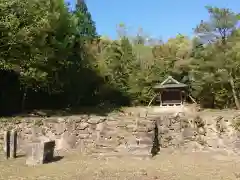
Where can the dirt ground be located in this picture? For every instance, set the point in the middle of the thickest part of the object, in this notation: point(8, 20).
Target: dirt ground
point(177, 166)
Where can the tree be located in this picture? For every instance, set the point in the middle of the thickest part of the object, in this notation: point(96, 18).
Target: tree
point(25, 28)
point(47, 46)
point(217, 56)
point(221, 24)
point(53, 57)
point(85, 25)
point(174, 56)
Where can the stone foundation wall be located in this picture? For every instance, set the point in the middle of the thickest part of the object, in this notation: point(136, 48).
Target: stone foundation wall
point(90, 134)
point(200, 132)
point(130, 134)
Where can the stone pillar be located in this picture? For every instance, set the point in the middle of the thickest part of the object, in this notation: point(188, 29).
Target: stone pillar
point(13, 144)
point(40, 152)
point(35, 153)
point(7, 144)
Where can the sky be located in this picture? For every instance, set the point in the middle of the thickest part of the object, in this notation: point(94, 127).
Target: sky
point(161, 19)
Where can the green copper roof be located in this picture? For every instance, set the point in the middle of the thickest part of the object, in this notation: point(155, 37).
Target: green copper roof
point(170, 82)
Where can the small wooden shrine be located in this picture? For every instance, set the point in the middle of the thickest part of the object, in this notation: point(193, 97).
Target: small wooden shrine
point(170, 92)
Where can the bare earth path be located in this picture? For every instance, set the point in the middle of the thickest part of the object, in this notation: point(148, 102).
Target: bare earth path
point(176, 166)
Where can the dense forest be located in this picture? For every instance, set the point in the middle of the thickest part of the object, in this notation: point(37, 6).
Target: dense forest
point(51, 57)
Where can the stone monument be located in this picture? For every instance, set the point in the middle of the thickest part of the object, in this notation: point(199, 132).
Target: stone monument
point(40, 152)
point(7, 144)
point(13, 144)
point(10, 144)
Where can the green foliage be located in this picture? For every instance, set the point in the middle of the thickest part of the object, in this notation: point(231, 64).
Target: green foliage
point(215, 66)
point(46, 46)
point(53, 57)
point(220, 25)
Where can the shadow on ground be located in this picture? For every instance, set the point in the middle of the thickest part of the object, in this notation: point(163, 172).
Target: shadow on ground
point(20, 156)
point(156, 144)
point(55, 159)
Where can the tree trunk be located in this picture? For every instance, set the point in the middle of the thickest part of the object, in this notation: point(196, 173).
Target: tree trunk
point(234, 92)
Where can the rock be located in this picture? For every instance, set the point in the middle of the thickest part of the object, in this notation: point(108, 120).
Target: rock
point(80, 146)
point(71, 126)
point(215, 143)
point(131, 127)
point(66, 142)
point(163, 130)
point(83, 135)
point(82, 126)
point(96, 119)
point(212, 143)
point(143, 114)
point(150, 126)
point(221, 144)
point(175, 142)
point(199, 122)
point(51, 135)
point(188, 133)
point(193, 147)
point(60, 128)
point(36, 131)
point(143, 172)
point(43, 139)
point(22, 125)
point(237, 143)
point(122, 148)
point(60, 119)
point(100, 127)
point(52, 120)
point(201, 131)
point(98, 135)
point(40, 152)
point(110, 118)
point(146, 141)
point(132, 141)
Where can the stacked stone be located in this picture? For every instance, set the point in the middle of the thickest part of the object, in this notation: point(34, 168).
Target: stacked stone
point(173, 130)
point(120, 136)
point(141, 137)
